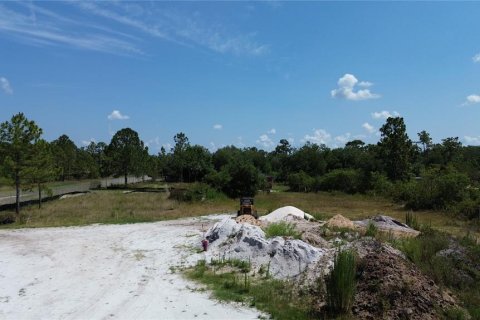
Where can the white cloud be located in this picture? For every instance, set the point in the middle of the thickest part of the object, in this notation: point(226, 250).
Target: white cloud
point(239, 143)
point(179, 28)
point(5, 85)
point(365, 84)
point(344, 138)
point(272, 131)
point(213, 147)
point(167, 147)
point(49, 28)
point(472, 140)
point(117, 115)
point(476, 58)
point(87, 142)
point(265, 141)
point(217, 127)
point(471, 99)
point(368, 127)
point(320, 136)
point(346, 89)
point(384, 114)
point(154, 143)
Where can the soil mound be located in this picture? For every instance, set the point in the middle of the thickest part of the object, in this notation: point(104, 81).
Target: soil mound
point(246, 218)
point(340, 221)
point(390, 287)
point(283, 258)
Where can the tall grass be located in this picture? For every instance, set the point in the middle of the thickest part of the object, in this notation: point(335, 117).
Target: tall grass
point(341, 283)
point(372, 230)
point(411, 220)
point(282, 229)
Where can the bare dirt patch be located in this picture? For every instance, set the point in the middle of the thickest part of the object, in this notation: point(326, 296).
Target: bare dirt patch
point(104, 271)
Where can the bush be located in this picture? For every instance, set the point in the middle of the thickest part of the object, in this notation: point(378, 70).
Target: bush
point(197, 192)
point(281, 229)
point(436, 189)
point(341, 283)
point(300, 182)
point(345, 180)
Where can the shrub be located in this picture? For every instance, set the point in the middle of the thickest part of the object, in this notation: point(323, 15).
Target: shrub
point(281, 229)
point(345, 180)
point(197, 192)
point(437, 189)
point(300, 182)
point(341, 283)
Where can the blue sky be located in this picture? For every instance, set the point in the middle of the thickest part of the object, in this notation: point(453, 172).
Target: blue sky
point(242, 73)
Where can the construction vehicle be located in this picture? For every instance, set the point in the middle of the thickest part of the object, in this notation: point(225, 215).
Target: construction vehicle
point(247, 207)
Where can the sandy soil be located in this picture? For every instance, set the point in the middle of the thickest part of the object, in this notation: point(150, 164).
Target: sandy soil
point(106, 272)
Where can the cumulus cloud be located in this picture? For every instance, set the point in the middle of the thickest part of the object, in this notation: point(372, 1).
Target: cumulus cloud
point(265, 141)
point(344, 138)
point(217, 127)
point(272, 131)
point(471, 99)
point(476, 58)
point(368, 127)
point(384, 114)
point(5, 85)
point(472, 140)
point(346, 89)
point(319, 136)
point(117, 115)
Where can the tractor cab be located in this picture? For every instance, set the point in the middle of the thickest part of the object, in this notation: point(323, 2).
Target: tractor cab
point(247, 207)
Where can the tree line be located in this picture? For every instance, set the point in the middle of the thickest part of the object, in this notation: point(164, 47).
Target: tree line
point(420, 173)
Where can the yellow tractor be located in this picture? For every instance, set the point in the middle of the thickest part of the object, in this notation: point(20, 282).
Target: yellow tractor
point(247, 207)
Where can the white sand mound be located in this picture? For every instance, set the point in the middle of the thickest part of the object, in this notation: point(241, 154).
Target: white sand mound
point(284, 258)
point(282, 213)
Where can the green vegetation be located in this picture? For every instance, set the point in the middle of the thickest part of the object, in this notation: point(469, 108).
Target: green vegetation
point(372, 230)
point(438, 255)
point(127, 153)
point(282, 229)
point(17, 139)
point(341, 283)
point(443, 177)
point(231, 283)
point(411, 220)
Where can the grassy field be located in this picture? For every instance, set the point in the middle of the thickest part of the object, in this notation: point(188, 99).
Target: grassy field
point(115, 206)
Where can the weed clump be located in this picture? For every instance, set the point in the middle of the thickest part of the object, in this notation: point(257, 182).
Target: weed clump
point(372, 230)
point(341, 283)
point(282, 229)
point(411, 220)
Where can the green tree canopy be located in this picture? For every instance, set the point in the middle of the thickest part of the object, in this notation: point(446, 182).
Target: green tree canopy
point(126, 152)
point(395, 148)
point(17, 138)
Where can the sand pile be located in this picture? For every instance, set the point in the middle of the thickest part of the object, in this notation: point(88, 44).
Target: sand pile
point(339, 221)
point(284, 258)
point(281, 214)
point(246, 218)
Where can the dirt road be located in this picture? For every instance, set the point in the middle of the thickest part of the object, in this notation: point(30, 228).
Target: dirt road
point(106, 272)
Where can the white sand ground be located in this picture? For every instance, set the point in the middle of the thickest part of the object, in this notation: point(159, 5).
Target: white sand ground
point(106, 272)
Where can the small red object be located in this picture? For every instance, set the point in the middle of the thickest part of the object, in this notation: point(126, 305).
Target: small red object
point(205, 244)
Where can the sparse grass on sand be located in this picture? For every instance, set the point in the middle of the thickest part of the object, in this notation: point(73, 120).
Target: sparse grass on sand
point(114, 206)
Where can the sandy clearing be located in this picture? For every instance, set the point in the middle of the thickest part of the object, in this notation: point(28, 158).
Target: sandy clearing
point(106, 272)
